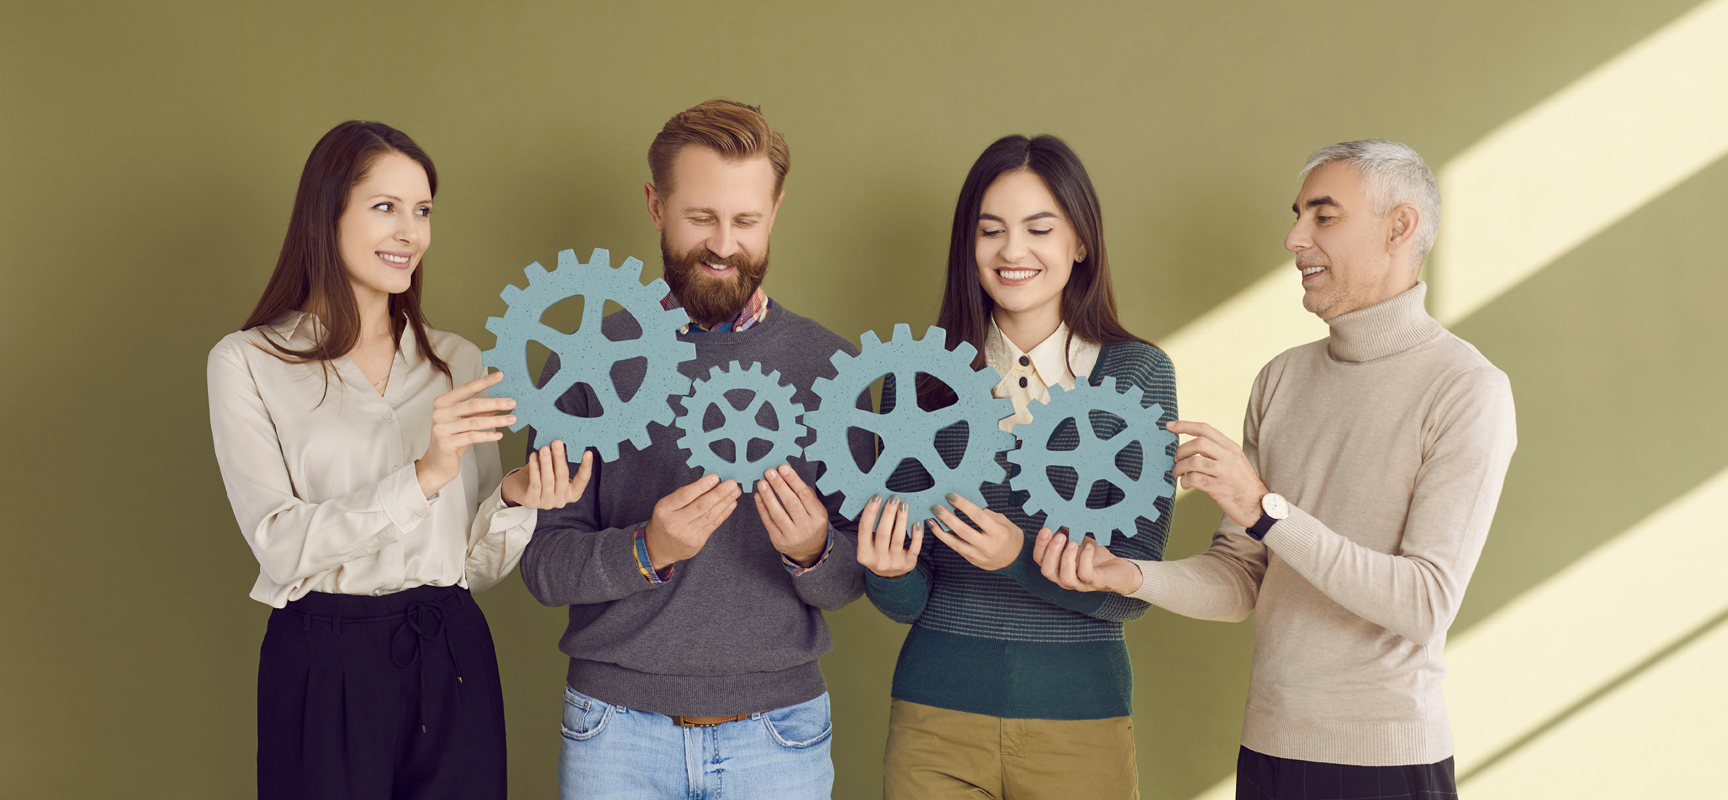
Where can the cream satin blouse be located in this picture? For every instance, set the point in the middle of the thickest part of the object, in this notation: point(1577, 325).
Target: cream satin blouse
point(1028, 376)
point(325, 493)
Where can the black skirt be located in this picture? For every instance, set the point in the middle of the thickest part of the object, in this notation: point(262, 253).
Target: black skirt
point(380, 698)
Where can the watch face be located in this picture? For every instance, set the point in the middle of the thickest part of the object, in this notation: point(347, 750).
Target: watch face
point(1274, 506)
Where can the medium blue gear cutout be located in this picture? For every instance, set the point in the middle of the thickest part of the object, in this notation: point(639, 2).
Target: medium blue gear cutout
point(907, 431)
point(1094, 460)
point(587, 356)
point(740, 426)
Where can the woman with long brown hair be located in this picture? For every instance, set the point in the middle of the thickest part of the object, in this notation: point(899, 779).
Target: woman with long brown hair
point(358, 451)
point(1006, 681)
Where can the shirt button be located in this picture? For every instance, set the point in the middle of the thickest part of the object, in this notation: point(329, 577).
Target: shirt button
point(386, 415)
point(1024, 361)
point(1022, 382)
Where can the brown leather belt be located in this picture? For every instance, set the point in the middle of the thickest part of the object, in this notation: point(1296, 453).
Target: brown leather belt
point(707, 722)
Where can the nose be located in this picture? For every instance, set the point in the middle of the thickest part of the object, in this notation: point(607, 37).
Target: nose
point(723, 242)
point(1298, 239)
point(407, 229)
point(1015, 248)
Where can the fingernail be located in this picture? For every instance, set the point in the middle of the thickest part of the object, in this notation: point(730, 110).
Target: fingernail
point(876, 498)
point(936, 510)
point(893, 499)
point(785, 469)
point(953, 498)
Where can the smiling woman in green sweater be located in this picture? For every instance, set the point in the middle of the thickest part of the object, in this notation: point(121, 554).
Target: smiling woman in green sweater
point(1008, 682)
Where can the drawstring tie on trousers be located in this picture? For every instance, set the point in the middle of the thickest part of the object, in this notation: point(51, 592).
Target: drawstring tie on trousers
point(420, 621)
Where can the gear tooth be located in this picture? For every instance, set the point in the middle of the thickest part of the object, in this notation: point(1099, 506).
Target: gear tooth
point(534, 271)
point(567, 260)
point(600, 258)
point(512, 294)
point(963, 350)
point(633, 268)
point(735, 368)
point(902, 332)
point(494, 324)
point(869, 339)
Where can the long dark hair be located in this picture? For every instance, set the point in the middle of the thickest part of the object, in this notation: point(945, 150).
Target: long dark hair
point(1088, 301)
point(309, 272)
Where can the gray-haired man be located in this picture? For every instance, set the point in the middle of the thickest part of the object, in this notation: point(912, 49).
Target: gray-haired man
point(1355, 509)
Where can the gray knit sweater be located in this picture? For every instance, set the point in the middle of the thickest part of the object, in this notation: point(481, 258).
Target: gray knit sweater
point(732, 631)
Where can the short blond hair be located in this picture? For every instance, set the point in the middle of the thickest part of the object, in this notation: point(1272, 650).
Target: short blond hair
point(734, 130)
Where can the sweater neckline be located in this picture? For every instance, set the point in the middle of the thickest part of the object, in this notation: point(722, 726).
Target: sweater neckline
point(1382, 330)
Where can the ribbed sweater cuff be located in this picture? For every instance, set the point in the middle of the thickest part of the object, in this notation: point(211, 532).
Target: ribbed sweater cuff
point(1295, 538)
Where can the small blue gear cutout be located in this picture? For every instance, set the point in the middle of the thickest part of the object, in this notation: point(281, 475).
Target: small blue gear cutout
point(740, 425)
point(587, 356)
point(1094, 459)
point(907, 431)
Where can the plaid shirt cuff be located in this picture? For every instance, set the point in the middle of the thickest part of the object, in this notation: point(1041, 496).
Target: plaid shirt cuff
point(792, 566)
point(645, 565)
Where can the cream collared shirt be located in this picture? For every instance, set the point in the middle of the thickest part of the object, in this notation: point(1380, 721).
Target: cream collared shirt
point(325, 492)
point(1028, 376)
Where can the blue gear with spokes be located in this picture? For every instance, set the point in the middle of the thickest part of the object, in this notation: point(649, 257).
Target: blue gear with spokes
point(1094, 460)
point(740, 425)
point(907, 431)
point(587, 356)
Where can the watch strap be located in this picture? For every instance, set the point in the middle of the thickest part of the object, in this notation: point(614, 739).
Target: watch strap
point(1261, 527)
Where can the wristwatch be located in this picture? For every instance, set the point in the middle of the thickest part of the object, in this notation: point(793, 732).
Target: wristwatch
point(1273, 507)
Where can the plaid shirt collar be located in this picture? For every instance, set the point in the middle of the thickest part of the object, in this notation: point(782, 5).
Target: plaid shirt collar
point(753, 312)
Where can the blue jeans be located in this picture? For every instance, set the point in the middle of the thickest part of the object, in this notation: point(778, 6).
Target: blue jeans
point(615, 752)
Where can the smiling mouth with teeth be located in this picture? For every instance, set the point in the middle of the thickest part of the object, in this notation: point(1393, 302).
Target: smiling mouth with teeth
point(1016, 274)
point(393, 259)
point(1311, 271)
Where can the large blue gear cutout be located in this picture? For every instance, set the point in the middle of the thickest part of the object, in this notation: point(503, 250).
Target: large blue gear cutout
point(587, 356)
point(740, 425)
point(907, 431)
point(1094, 460)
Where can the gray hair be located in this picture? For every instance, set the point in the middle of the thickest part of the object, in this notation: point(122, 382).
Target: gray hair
point(1393, 175)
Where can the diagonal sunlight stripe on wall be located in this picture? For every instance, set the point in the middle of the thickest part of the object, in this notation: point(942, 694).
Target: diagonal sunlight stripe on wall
point(1533, 189)
point(1588, 623)
point(1660, 735)
point(1672, 83)
point(1582, 160)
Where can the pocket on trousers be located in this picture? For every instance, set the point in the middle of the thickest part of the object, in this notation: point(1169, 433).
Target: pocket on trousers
point(584, 716)
point(803, 725)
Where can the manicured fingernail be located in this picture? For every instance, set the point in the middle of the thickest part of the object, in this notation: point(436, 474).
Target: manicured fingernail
point(936, 509)
point(785, 469)
point(876, 498)
point(953, 498)
point(893, 499)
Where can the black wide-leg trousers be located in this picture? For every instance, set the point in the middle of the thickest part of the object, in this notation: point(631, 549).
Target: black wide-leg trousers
point(380, 698)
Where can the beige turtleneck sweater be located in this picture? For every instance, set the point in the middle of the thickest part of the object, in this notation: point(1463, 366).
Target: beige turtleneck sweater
point(1390, 439)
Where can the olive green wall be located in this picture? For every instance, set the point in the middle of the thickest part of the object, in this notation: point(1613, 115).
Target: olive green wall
point(149, 155)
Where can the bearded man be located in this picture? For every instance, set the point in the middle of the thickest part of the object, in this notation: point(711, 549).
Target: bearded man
point(695, 631)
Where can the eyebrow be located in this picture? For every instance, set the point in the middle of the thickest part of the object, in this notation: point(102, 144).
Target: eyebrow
point(1316, 203)
point(1039, 215)
point(712, 213)
point(397, 199)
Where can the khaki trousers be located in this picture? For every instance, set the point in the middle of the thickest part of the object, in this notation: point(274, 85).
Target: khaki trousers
point(937, 753)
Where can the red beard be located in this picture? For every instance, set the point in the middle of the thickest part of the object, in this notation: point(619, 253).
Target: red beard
point(711, 301)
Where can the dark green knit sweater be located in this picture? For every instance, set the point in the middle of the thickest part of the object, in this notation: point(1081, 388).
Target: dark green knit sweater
point(1010, 643)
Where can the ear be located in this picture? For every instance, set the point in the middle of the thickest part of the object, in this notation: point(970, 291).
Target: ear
point(1401, 229)
point(656, 210)
point(768, 226)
